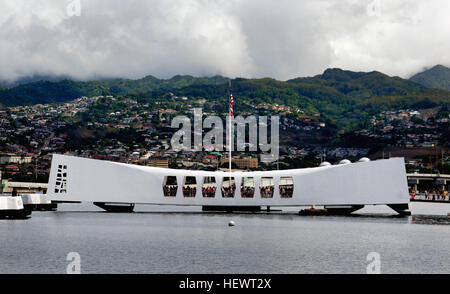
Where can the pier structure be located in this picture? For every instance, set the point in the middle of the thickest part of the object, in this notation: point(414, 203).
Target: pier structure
point(13, 207)
point(22, 187)
point(424, 181)
point(429, 187)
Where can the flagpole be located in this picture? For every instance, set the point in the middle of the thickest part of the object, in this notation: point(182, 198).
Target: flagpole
point(229, 114)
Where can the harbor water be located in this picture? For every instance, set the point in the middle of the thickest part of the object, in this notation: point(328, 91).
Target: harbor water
point(184, 240)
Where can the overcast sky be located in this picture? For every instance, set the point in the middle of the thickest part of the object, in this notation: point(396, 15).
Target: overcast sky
point(247, 38)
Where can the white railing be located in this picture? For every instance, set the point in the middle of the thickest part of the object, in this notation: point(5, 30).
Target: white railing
point(431, 197)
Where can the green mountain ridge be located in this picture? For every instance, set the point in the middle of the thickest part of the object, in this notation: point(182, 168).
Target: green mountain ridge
point(65, 90)
point(435, 77)
point(342, 97)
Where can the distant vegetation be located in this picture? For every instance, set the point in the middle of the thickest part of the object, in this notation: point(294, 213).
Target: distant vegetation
point(344, 98)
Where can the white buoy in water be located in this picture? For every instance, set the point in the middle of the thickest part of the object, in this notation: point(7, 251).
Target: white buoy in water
point(231, 224)
point(364, 159)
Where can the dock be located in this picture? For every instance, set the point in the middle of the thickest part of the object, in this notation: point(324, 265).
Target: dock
point(11, 207)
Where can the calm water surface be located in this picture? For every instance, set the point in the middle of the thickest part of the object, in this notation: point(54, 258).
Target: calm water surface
point(172, 242)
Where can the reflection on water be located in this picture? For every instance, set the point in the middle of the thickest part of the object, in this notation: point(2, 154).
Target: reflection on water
point(288, 216)
point(430, 220)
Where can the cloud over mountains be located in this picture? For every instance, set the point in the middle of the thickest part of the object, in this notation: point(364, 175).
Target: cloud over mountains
point(252, 38)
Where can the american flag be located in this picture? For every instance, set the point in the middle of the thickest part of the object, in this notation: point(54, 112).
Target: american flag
point(231, 105)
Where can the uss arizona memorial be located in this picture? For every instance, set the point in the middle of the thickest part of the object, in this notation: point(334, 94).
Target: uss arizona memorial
point(344, 187)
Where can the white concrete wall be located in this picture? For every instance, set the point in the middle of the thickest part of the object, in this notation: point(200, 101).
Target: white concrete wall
point(11, 203)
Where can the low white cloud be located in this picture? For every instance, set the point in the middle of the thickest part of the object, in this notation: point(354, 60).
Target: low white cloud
point(250, 38)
